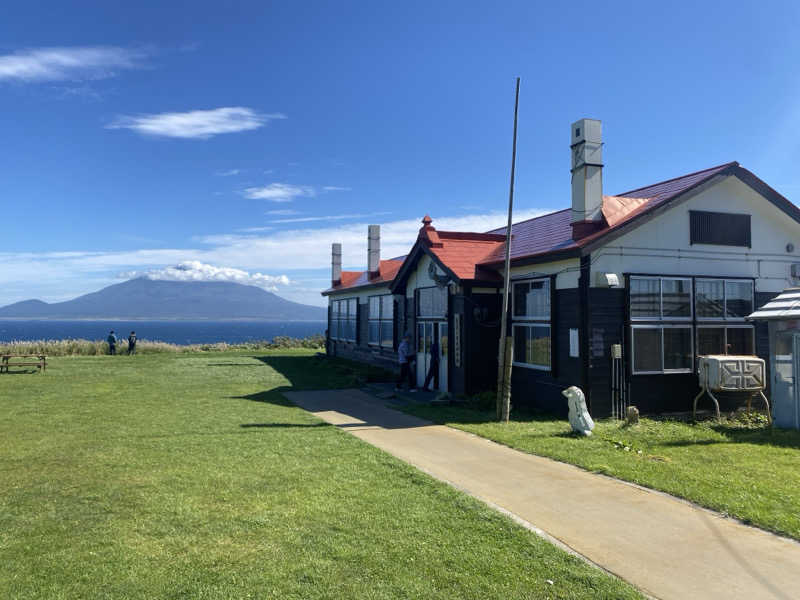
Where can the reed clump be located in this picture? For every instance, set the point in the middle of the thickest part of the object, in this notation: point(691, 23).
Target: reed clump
point(79, 347)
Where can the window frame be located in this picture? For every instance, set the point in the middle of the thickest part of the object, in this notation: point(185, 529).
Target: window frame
point(662, 327)
point(696, 229)
point(724, 326)
point(380, 320)
point(338, 317)
point(530, 322)
point(725, 281)
point(661, 318)
point(445, 290)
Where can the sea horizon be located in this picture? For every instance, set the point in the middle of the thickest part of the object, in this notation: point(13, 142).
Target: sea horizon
point(173, 331)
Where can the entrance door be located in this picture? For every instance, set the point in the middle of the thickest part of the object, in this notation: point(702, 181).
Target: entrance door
point(427, 332)
point(424, 342)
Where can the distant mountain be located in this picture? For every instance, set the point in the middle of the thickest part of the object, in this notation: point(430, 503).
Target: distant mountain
point(149, 299)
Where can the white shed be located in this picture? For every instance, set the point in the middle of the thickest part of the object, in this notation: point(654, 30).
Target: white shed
point(783, 315)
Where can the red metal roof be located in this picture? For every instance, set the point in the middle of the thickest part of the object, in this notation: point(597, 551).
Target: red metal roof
point(553, 232)
point(354, 279)
point(462, 253)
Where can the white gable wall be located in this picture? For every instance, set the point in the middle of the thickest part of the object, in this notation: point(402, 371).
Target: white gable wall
point(419, 277)
point(567, 272)
point(661, 246)
point(362, 295)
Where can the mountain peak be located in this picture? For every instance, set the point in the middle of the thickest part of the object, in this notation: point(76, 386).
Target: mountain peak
point(143, 298)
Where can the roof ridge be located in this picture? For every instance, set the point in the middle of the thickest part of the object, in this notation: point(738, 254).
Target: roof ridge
point(723, 165)
point(555, 212)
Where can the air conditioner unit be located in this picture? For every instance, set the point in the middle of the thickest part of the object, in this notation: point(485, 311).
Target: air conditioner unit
point(728, 373)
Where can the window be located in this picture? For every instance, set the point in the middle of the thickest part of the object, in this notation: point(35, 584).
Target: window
point(722, 229)
point(531, 323)
point(662, 348)
point(381, 321)
point(344, 324)
point(432, 302)
point(724, 299)
point(734, 339)
point(660, 298)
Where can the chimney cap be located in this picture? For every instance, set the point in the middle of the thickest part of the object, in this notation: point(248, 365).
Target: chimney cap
point(426, 220)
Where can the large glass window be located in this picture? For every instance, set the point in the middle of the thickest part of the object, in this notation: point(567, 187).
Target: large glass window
point(344, 324)
point(662, 348)
point(381, 321)
point(531, 323)
point(432, 302)
point(735, 339)
point(723, 299)
point(660, 298)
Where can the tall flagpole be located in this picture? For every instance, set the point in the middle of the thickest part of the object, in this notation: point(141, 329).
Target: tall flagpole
point(506, 349)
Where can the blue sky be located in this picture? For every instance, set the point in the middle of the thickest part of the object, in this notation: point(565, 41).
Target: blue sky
point(247, 138)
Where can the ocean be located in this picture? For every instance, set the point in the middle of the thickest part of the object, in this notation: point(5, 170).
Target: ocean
point(173, 332)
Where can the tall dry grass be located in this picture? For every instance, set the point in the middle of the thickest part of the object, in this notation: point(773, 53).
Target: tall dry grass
point(98, 347)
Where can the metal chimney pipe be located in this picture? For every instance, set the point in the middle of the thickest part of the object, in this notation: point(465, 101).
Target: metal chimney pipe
point(336, 264)
point(374, 249)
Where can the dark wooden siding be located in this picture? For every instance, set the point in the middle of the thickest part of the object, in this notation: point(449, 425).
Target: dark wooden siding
point(480, 341)
point(607, 328)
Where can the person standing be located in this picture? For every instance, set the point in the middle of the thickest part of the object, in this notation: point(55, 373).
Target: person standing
point(433, 369)
point(132, 343)
point(405, 358)
point(112, 343)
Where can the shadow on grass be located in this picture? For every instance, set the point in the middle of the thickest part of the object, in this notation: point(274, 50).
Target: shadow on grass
point(783, 438)
point(282, 425)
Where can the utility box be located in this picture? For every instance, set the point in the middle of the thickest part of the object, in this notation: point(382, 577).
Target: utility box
point(730, 373)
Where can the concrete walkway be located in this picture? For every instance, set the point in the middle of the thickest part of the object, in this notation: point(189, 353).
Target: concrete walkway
point(666, 547)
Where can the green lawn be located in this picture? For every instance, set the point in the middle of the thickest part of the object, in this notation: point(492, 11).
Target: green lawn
point(189, 476)
point(750, 472)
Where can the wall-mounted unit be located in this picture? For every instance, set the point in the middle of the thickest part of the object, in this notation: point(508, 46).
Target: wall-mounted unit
point(730, 373)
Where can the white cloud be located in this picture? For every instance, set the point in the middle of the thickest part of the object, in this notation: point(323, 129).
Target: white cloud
point(69, 64)
point(283, 212)
point(196, 124)
point(336, 188)
point(326, 218)
point(193, 270)
point(278, 192)
point(228, 173)
point(301, 252)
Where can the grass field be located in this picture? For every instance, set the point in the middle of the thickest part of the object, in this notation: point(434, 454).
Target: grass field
point(748, 471)
point(189, 476)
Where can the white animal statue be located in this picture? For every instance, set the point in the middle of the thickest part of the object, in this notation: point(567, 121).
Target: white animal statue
point(579, 417)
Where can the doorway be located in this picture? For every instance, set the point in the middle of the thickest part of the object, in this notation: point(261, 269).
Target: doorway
point(785, 369)
point(432, 339)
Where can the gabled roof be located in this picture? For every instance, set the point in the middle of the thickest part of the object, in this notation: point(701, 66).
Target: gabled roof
point(551, 236)
point(351, 280)
point(458, 253)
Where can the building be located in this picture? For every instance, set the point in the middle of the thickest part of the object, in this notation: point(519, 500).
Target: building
point(617, 294)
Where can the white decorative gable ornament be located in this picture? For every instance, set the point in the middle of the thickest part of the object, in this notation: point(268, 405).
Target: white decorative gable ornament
point(579, 417)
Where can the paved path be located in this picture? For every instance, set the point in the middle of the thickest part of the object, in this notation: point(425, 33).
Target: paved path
point(666, 547)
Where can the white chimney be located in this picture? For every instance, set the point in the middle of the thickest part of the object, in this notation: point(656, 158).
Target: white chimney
point(336, 264)
point(373, 249)
point(586, 145)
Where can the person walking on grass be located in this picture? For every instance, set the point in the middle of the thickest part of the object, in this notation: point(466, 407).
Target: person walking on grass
point(132, 343)
point(112, 343)
point(405, 358)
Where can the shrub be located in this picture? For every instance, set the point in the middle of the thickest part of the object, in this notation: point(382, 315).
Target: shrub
point(97, 347)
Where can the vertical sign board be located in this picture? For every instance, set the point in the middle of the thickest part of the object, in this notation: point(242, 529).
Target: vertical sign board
point(574, 351)
point(457, 340)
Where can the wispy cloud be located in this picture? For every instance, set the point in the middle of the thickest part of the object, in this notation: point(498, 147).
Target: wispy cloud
point(192, 270)
point(196, 124)
point(278, 192)
point(69, 63)
point(328, 218)
point(283, 212)
point(228, 173)
point(336, 188)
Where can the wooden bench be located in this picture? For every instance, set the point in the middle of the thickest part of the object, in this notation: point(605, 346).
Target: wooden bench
point(8, 361)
